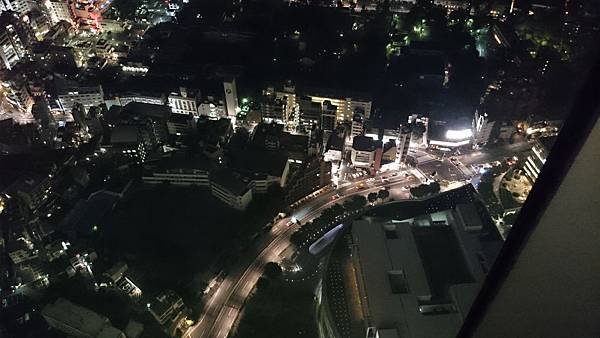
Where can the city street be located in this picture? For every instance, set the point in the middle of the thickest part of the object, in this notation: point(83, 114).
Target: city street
point(224, 306)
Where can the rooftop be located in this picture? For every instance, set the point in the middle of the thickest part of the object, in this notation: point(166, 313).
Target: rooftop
point(256, 161)
point(230, 181)
point(140, 109)
point(419, 267)
point(124, 134)
point(164, 302)
point(87, 321)
point(365, 143)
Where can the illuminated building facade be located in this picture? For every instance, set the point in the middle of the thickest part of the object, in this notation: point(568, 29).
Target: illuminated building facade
point(59, 10)
point(14, 40)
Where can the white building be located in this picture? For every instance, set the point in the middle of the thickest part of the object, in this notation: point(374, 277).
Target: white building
point(363, 151)
point(59, 11)
point(19, 6)
point(91, 96)
point(227, 187)
point(482, 129)
point(346, 107)
point(184, 177)
point(126, 98)
point(211, 107)
point(539, 153)
point(183, 102)
point(12, 41)
point(288, 97)
point(17, 95)
point(357, 127)
point(231, 98)
point(452, 4)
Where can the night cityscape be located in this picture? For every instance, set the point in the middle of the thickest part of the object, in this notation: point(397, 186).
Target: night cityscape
point(299, 168)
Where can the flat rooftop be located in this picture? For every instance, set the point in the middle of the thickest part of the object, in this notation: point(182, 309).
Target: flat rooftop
point(419, 266)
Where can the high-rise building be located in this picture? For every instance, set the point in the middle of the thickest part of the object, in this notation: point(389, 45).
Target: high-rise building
point(536, 160)
point(404, 143)
point(358, 125)
point(482, 129)
point(272, 109)
point(231, 98)
point(15, 40)
point(18, 6)
point(309, 113)
point(288, 97)
point(59, 10)
point(311, 176)
point(544, 281)
point(328, 116)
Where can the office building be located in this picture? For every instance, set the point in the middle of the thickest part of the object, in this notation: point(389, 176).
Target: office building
point(544, 282)
point(183, 176)
point(184, 102)
point(17, 6)
point(90, 96)
point(59, 10)
point(482, 129)
point(231, 189)
point(178, 170)
point(334, 147)
point(309, 114)
point(346, 106)
point(328, 116)
point(178, 125)
point(287, 96)
point(358, 126)
point(536, 160)
point(262, 168)
point(15, 40)
point(272, 109)
point(311, 176)
point(364, 150)
point(149, 98)
point(404, 143)
point(231, 98)
point(211, 107)
point(17, 93)
point(127, 141)
point(390, 152)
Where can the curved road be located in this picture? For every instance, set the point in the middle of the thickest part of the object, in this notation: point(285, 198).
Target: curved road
point(221, 311)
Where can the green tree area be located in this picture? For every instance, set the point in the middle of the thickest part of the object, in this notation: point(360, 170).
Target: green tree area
point(170, 234)
point(323, 223)
point(424, 190)
point(278, 309)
